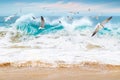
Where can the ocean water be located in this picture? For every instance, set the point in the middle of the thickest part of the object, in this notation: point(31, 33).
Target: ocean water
point(69, 41)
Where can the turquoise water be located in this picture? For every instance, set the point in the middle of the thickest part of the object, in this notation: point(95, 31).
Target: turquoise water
point(69, 41)
point(29, 26)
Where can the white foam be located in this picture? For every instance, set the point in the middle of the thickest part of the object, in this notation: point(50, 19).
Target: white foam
point(65, 45)
point(71, 49)
point(53, 55)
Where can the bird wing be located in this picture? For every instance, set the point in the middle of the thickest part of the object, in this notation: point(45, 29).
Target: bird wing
point(96, 30)
point(105, 21)
point(33, 17)
point(42, 22)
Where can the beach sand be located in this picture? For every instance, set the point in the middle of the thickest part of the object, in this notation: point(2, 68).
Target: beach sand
point(73, 73)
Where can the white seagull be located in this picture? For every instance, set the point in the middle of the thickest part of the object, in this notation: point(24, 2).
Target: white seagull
point(10, 17)
point(101, 25)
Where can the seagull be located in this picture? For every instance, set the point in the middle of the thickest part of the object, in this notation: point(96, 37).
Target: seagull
point(89, 9)
point(10, 17)
point(42, 23)
point(69, 18)
point(60, 22)
point(101, 25)
point(33, 17)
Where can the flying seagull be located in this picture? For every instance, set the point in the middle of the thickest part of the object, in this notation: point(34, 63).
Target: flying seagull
point(60, 22)
point(101, 25)
point(33, 17)
point(10, 17)
point(42, 23)
point(89, 9)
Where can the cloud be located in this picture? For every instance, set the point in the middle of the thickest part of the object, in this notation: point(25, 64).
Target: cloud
point(68, 7)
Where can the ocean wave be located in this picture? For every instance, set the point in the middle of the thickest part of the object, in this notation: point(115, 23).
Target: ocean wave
point(29, 26)
point(68, 36)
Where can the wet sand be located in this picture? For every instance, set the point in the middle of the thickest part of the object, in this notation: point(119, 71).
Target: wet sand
point(35, 73)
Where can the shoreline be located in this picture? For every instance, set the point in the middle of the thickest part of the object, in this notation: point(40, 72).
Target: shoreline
point(61, 64)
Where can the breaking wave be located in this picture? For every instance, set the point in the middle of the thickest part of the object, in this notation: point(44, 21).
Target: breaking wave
point(64, 36)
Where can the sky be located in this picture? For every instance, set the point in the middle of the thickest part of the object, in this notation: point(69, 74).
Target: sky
point(60, 7)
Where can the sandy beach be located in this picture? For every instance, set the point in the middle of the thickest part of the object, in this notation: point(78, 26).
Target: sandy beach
point(73, 73)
